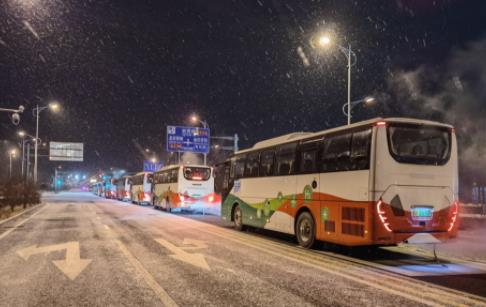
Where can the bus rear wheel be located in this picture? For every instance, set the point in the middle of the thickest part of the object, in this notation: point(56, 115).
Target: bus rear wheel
point(305, 230)
point(238, 218)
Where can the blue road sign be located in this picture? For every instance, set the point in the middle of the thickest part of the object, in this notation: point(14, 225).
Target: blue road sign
point(187, 139)
point(152, 167)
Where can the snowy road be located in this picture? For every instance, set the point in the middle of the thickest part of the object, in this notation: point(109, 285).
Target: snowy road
point(77, 249)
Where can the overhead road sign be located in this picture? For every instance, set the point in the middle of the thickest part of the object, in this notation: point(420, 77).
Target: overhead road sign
point(70, 152)
point(149, 166)
point(188, 139)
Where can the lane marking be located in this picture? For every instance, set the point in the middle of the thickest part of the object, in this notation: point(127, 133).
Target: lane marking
point(149, 279)
point(72, 266)
point(6, 233)
point(18, 214)
point(106, 227)
point(179, 253)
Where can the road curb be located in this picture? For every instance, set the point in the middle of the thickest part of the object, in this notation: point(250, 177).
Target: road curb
point(20, 213)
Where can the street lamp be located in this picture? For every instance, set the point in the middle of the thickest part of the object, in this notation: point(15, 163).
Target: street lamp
point(54, 107)
point(23, 135)
point(11, 154)
point(348, 107)
point(323, 41)
point(195, 119)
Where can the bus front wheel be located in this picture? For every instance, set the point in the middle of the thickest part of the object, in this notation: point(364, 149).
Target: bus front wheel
point(305, 230)
point(238, 218)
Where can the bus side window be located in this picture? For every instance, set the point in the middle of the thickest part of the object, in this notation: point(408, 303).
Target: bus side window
point(336, 155)
point(173, 175)
point(286, 159)
point(360, 150)
point(308, 159)
point(239, 167)
point(267, 163)
point(252, 165)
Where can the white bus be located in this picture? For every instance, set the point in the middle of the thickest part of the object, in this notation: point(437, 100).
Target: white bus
point(141, 188)
point(377, 182)
point(188, 187)
point(123, 189)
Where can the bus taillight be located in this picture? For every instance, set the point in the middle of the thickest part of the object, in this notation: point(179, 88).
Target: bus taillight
point(454, 213)
point(382, 216)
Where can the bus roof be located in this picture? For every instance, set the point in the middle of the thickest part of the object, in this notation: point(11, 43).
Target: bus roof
point(141, 173)
point(287, 138)
point(173, 166)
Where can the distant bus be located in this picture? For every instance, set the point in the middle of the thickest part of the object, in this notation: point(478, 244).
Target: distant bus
point(183, 187)
point(97, 188)
point(377, 182)
point(141, 188)
point(110, 188)
point(123, 188)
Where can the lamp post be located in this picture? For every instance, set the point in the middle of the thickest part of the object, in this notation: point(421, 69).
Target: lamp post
point(12, 154)
point(53, 106)
point(196, 119)
point(347, 107)
point(23, 135)
point(324, 41)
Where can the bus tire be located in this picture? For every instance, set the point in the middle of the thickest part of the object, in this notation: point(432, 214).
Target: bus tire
point(154, 202)
point(305, 230)
point(237, 218)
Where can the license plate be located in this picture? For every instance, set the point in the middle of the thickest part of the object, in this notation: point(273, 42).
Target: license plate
point(422, 212)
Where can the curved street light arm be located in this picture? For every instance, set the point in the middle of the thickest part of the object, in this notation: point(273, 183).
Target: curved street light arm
point(347, 51)
point(37, 110)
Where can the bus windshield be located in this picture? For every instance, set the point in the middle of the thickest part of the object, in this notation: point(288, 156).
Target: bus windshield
point(197, 173)
point(418, 144)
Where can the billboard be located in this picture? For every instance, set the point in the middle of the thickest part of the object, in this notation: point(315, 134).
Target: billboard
point(188, 139)
point(70, 152)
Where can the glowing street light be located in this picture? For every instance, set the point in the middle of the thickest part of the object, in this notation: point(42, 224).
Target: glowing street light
point(54, 107)
point(324, 41)
point(153, 160)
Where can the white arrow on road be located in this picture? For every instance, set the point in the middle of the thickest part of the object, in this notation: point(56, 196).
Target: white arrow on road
point(72, 266)
point(196, 244)
point(179, 253)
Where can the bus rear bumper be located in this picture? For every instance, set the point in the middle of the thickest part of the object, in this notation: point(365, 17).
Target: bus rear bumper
point(416, 238)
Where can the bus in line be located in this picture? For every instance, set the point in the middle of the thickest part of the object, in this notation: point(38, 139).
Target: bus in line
point(184, 187)
point(376, 182)
point(123, 188)
point(141, 188)
point(110, 188)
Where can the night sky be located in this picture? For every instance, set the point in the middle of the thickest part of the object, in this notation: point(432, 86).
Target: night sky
point(123, 70)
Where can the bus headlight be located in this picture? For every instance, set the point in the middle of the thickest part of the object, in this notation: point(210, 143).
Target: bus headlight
point(382, 216)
